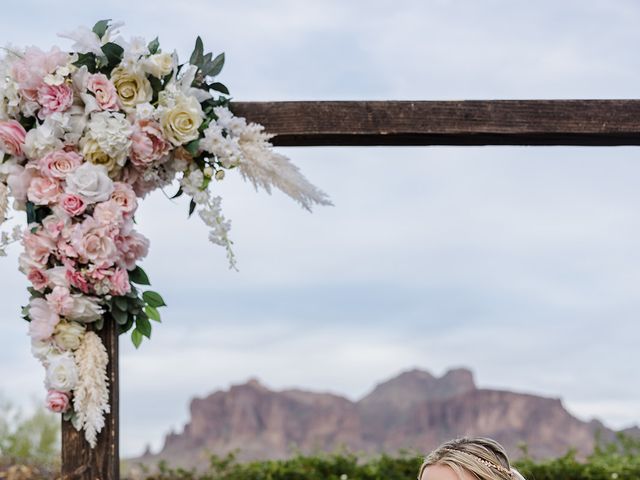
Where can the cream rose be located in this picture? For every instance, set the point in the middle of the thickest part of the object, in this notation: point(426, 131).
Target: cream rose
point(92, 151)
point(68, 335)
point(62, 373)
point(133, 87)
point(181, 121)
point(159, 65)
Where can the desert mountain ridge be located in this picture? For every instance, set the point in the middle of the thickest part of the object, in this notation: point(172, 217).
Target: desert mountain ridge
point(414, 411)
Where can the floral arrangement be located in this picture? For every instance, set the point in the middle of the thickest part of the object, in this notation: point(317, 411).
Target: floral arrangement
point(83, 135)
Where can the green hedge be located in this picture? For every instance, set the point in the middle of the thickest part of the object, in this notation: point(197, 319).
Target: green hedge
point(620, 461)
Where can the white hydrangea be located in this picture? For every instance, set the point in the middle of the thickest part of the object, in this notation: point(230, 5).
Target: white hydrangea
point(45, 138)
point(112, 132)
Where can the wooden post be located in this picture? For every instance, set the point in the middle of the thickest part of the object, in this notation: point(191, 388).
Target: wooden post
point(79, 460)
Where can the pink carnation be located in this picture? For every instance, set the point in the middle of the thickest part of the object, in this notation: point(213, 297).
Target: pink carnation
point(60, 300)
point(57, 402)
point(120, 282)
point(76, 279)
point(94, 242)
point(60, 163)
point(148, 145)
point(12, 136)
point(104, 91)
point(38, 279)
point(108, 213)
point(73, 204)
point(44, 190)
point(54, 98)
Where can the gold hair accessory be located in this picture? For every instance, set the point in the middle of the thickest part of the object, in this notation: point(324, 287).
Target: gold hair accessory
point(489, 464)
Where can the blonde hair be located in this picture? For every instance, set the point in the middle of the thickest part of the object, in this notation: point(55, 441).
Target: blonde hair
point(484, 458)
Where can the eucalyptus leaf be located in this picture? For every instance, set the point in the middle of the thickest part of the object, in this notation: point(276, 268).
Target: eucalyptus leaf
point(193, 147)
point(153, 46)
point(100, 28)
point(119, 316)
point(198, 52)
point(99, 324)
point(121, 303)
point(215, 66)
point(219, 87)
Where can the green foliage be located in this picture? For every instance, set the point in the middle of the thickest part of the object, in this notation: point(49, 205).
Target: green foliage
point(31, 440)
point(617, 461)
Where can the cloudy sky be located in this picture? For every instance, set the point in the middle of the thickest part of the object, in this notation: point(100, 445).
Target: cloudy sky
point(520, 263)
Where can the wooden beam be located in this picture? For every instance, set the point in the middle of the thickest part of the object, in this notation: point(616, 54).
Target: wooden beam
point(79, 460)
point(468, 122)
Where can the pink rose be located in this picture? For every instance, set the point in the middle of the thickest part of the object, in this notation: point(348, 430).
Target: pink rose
point(94, 242)
point(57, 402)
point(108, 213)
point(104, 91)
point(60, 163)
point(73, 204)
point(38, 246)
point(38, 279)
point(120, 282)
point(125, 197)
point(43, 319)
point(60, 300)
point(148, 145)
point(54, 98)
point(44, 190)
point(53, 226)
point(132, 248)
point(76, 279)
point(12, 136)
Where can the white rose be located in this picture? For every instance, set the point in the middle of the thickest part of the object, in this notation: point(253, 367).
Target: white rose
point(159, 65)
point(68, 335)
point(41, 349)
point(62, 373)
point(91, 182)
point(181, 121)
point(85, 309)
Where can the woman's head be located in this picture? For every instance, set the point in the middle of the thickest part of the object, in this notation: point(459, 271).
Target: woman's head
point(468, 459)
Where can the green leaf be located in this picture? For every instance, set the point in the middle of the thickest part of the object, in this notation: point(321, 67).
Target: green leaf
point(214, 67)
point(143, 325)
point(100, 28)
point(219, 87)
point(99, 324)
point(119, 316)
point(31, 212)
point(193, 147)
point(198, 52)
point(152, 313)
point(139, 276)
point(178, 193)
point(136, 338)
point(87, 60)
point(153, 298)
point(113, 52)
point(192, 207)
point(126, 327)
point(121, 303)
point(153, 46)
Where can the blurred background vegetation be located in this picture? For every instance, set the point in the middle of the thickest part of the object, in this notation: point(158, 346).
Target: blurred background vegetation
point(30, 449)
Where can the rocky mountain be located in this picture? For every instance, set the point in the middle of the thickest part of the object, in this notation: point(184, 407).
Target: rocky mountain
point(414, 411)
